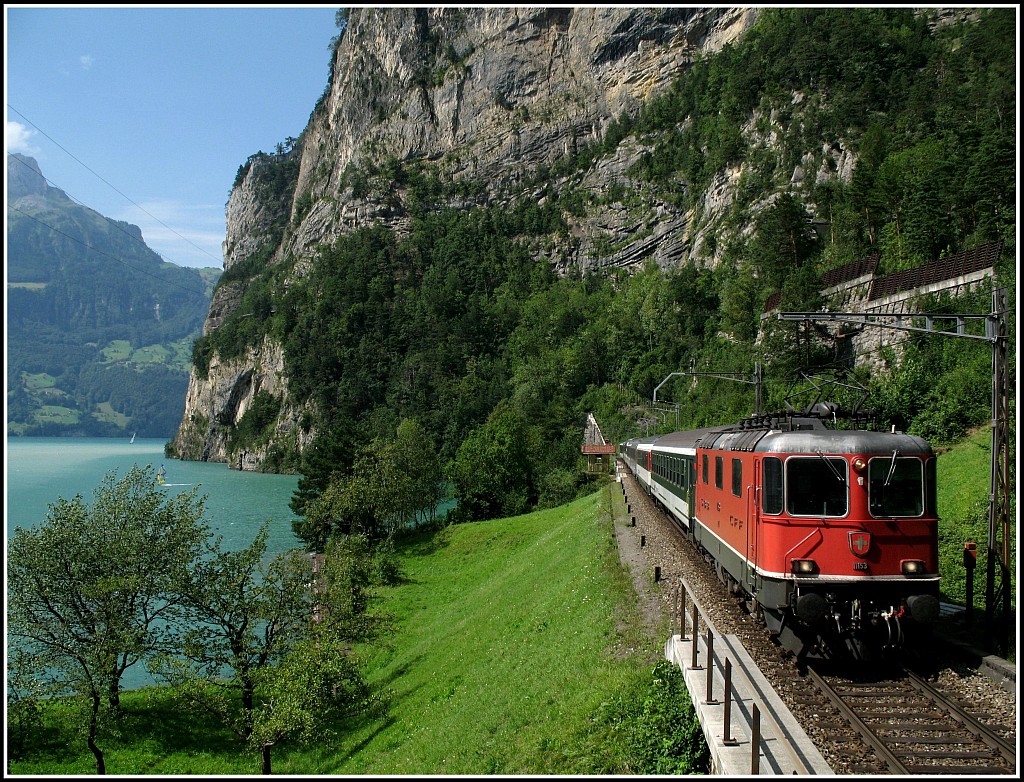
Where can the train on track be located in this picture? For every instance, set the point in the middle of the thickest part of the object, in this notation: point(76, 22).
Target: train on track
point(829, 536)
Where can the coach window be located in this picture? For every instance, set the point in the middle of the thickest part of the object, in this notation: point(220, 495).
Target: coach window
point(816, 486)
point(895, 486)
point(718, 472)
point(737, 477)
point(771, 495)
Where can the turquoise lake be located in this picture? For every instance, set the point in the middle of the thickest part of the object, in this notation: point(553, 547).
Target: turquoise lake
point(41, 470)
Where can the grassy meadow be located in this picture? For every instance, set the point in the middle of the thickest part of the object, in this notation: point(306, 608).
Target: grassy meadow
point(964, 475)
point(517, 650)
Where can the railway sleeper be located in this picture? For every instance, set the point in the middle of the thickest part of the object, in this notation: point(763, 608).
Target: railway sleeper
point(974, 770)
point(950, 755)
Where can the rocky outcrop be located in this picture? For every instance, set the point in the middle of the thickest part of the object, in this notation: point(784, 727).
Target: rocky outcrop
point(485, 95)
point(215, 404)
point(27, 187)
point(24, 177)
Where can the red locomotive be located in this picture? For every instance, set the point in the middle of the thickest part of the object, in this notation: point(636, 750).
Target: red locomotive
point(830, 536)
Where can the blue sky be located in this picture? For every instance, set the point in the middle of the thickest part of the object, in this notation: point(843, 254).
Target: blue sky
point(145, 113)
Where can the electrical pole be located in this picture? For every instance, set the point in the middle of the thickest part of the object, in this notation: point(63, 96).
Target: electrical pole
point(999, 529)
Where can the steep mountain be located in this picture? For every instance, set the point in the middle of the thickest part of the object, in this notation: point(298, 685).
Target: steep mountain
point(99, 327)
point(473, 98)
point(394, 259)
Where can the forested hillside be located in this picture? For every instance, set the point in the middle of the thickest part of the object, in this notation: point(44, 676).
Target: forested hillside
point(838, 131)
point(99, 327)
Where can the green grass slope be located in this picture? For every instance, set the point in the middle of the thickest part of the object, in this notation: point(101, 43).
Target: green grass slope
point(518, 649)
point(511, 639)
point(964, 477)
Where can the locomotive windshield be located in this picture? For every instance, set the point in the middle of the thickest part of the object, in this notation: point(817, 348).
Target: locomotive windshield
point(895, 486)
point(816, 486)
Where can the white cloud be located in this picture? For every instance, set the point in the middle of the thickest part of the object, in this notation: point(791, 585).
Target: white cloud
point(86, 61)
point(19, 139)
point(184, 234)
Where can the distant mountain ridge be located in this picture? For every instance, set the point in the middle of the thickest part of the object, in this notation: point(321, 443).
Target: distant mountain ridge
point(26, 179)
point(99, 326)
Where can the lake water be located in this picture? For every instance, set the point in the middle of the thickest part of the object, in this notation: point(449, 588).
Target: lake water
point(41, 470)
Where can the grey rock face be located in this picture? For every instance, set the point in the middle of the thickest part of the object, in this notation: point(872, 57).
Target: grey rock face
point(485, 95)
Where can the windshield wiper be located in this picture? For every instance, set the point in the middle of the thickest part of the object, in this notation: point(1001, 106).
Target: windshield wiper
point(831, 466)
point(892, 467)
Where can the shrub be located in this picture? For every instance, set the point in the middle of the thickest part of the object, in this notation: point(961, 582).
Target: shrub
point(658, 727)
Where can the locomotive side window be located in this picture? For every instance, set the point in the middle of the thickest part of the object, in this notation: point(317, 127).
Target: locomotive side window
point(718, 472)
point(737, 477)
point(771, 496)
point(930, 491)
point(704, 467)
point(816, 486)
point(895, 486)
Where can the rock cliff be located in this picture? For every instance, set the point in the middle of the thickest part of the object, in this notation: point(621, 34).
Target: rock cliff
point(480, 95)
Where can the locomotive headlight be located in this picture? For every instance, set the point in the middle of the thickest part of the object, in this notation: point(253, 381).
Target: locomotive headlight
point(804, 567)
point(859, 464)
point(912, 567)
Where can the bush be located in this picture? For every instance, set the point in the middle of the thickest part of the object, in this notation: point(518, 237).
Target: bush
point(557, 487)
point(255, 427)
point(24, 724)
point(658, 727)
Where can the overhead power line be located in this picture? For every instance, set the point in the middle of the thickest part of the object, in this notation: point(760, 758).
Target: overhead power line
point(129, 200)
point(101, 252)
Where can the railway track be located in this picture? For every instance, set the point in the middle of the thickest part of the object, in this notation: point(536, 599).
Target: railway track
point(911, 728)
point(839, 742)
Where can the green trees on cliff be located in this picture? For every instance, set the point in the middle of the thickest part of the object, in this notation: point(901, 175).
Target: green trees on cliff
point(459, 321)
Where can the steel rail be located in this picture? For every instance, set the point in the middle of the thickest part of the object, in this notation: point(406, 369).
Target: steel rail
point(874, 741)
point(973, 725)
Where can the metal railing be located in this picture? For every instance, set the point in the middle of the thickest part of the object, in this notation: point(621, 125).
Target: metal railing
point(698, 618)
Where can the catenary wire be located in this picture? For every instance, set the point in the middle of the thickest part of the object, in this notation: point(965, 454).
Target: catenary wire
point(141, 208)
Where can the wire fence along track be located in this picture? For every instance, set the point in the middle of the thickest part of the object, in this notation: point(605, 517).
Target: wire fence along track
point(912, 728)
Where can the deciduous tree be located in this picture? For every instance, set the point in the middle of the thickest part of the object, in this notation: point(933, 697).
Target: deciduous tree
point(90, 588)
point(267, 644)
point(316, 684)
point(245, 611)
